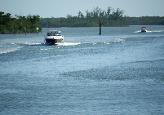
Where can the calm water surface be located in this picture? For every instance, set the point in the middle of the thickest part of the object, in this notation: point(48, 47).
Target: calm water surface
point(118, 73)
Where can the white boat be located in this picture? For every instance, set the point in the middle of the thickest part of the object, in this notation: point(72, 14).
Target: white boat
point(54, 37)
point(143, 29)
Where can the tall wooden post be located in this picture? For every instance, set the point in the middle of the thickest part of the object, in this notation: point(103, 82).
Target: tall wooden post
point(100, 24)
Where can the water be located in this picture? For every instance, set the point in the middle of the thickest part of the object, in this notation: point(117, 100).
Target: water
point(118, 73)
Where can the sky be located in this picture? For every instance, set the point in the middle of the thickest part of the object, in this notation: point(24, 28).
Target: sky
point(61, 8)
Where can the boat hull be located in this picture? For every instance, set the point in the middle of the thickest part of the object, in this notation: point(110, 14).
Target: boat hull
point(53, 41)
point(143, 31)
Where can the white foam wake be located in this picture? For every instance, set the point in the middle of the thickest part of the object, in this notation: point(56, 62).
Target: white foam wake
point(139, 31)
point(158, 31)
point(32, 44)
point(67, 44)
point(8, 50)
point(27, 43)
point(147, 31)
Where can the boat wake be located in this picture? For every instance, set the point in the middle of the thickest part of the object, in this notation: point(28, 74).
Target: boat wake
point(158, 31)
point(154, 31)
point(42, 44)
point(139, 31)
point(8, 50)
point(34, 44)
point(68, 44)
point(28, 44)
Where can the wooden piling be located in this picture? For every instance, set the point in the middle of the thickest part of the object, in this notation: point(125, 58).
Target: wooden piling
point(100, 24)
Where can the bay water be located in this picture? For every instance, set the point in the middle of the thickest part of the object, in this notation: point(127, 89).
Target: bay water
point(120, 72)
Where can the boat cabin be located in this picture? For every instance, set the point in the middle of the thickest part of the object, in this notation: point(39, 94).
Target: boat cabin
point(54, 33)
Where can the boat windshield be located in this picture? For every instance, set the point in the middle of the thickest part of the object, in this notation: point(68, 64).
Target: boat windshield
point(54, 33)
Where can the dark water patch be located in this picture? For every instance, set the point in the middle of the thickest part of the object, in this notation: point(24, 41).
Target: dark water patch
point(145, 40)
point(138, 70)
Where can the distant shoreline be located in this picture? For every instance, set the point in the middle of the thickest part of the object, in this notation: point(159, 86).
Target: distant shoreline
point(107, 18)
point(86, 22)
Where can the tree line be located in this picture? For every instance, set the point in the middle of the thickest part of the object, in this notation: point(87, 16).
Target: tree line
point(108, 17)
point(145, 20)
point(19, 24)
